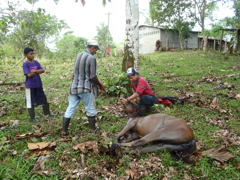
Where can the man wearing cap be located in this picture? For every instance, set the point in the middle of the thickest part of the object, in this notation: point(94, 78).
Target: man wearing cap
point(84, 87)
point(141, 88)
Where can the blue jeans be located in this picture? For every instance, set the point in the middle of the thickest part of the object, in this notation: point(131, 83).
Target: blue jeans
point(88, 100)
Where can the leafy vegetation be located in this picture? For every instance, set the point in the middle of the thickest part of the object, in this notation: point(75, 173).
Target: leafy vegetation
point(104, 38)
point(173, 14)
point(69, 46)
point(199, 76)
point(25, 28)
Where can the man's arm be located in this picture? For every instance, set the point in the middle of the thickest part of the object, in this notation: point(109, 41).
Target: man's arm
point(96, 81)
point(31, 74)
point(39, 71)
point(130, 98)
point(93, 74)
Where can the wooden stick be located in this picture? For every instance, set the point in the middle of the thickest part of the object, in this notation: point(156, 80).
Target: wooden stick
point(10, 83)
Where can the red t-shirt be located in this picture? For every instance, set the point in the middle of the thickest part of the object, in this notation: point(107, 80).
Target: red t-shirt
point(142, 87)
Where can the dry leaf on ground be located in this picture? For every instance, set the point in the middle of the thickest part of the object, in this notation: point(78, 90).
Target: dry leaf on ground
point(2, 124)
point(214, 103)
point(220, 154)
point(87, 146)
point(143, 167)
point(38, 153)
point(41, 148)
point(30, 135)
point(41, 145)
point(39, 167)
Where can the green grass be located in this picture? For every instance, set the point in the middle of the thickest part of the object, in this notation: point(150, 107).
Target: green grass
point(188, 67)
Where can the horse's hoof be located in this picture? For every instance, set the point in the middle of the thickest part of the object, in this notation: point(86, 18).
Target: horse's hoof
point(115, 150)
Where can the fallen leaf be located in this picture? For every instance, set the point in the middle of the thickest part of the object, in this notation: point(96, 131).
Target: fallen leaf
point(167, 80)
point(187, 177)
point(220, 154)
point(237, 96)
point(164, 178)
point(3, 124)
point(189, 94)
point(143, 167)
point(214, 103)
point(14, 153)
point(65, 139)
point(199, 145)
point(171, 172)
point(30, 135)
point(37, 153)
point(41, 145)
point(132, 174)
point(39, 167)
point(87, 146)
point(14, 123)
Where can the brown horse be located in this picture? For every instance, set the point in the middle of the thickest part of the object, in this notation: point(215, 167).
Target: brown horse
point(161, 130)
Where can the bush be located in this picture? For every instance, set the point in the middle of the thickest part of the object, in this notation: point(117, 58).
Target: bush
point(117, 85)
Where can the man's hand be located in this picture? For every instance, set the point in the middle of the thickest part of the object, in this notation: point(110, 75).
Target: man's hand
point(102, 87)
point(34, 71)
point(123, 100)
point(39, 71)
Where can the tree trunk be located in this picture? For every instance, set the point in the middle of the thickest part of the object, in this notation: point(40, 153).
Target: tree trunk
point(205, 43)
point(203, 15)
point(180, 39)
point(221, 41)
point(214, 44)
point(238, 41)
point(131, 47)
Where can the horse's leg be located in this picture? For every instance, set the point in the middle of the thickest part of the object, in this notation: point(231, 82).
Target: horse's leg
point(142, 141)
point(131, 124)
point(162, 135)
point(171, 147)
point(132, 136)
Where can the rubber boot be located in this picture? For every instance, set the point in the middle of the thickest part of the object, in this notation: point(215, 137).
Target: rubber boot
point(46, 110)
point(92, 122)
point(31, 113)
point(66, 122)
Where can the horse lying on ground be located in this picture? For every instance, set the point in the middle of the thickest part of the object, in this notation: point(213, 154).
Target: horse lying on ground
point(162, 131)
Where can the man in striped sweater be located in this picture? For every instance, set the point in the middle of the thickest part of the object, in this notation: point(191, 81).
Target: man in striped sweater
point(84, 87)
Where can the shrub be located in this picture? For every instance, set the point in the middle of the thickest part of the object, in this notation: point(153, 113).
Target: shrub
point(117, 85)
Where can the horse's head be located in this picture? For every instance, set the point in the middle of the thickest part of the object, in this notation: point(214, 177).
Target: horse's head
point(134, 110)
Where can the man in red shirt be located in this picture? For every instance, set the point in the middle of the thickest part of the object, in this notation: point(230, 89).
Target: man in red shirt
point(141, 88)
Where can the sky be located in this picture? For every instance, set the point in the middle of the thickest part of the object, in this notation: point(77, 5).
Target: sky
point(83, 20)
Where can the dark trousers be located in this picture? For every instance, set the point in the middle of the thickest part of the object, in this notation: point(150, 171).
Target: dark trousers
point(147, 100)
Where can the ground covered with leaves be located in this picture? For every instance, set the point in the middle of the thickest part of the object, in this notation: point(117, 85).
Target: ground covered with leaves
point(209, 83)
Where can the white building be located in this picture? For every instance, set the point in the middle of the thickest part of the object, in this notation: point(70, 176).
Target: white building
point(148, 35)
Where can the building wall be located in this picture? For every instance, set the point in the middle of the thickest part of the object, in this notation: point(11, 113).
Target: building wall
point(169, 39)
point(147, 39)
point(192, 41)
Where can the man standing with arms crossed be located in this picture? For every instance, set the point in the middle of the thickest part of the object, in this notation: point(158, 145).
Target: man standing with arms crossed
point(84, 87)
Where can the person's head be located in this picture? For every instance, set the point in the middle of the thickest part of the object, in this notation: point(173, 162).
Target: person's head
point(132, 74)
point(93, 47)
point(29, 53)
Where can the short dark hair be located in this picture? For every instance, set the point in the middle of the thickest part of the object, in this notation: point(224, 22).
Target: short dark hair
point(92, 46)
point(27, 50)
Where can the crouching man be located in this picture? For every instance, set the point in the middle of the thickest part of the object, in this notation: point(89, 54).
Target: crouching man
point(142, 91)
point(84, 87)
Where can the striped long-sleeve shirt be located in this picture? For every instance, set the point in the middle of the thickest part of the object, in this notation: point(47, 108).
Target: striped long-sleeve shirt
point(85, 69)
